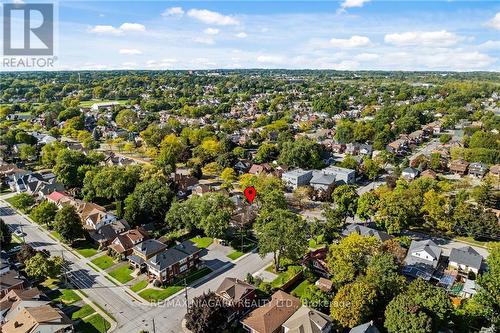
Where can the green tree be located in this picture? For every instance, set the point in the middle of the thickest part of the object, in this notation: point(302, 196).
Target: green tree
point(149, 202)
point(367, 205)
point(68, 167)
point(171, 148)
point(283, 233)
point(110, 182)
point(349, 257)
point(346, 198)
point(27, 152)
point(5, 234)
point(315, 298)
point(49, 153)
point(421, 308)
point(349, 162)
point(44, 213)
point(67, 223)
point(206, 314)
point(371, 168)
point(352, 305)
point(266, 152)
point(127, 119)
point(39, 267)
point(488, 295)
point(301, 153)
point(22, 201)
point(228, 175)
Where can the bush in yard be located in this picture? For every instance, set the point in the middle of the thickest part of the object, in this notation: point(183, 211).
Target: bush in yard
point(5, 234)
point(39, 267)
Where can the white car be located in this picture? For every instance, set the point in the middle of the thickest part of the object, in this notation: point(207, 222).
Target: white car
point(19, 233)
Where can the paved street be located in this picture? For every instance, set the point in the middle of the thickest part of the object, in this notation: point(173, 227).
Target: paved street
point(131, 315)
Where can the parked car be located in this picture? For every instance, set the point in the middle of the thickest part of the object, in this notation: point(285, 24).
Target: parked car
point(19, 233)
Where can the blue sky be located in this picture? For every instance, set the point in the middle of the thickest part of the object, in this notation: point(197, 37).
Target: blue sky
point(351, 34)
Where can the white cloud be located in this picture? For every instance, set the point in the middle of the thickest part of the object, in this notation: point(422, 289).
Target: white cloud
point(495, 22)
point(354, 41)
point(490, 45)
point(440, 38)
point(173, 11)
point(130, 51)
point(18, 2)
point(270, 59)
point(353, 3)
point(211, 31)
point(135, 27)
point(241, 35)
point(110, 30)
point(209, 17)
point(366, 57)
point(105, 30)
point(204, 40)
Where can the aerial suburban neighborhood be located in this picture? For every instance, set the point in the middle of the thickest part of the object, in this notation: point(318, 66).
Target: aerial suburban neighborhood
point(249, 200)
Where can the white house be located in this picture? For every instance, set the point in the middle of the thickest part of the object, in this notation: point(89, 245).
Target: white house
point(343, 175)
point(296, 178)
point(98, 218)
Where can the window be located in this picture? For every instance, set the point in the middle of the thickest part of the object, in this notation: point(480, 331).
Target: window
point(182, 268)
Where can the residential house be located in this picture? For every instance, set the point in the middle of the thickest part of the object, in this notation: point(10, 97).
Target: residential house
point(242, 166)
point(144, 251)
point(338, 148)
point(296, 178)
point(97, 218)
point(124, 242)
point(422, 259)
point(237, 295)
point(108, 232)
point(459, 167)
point(17, 299)
point(269, 317)
point(43, 318)
point(409, 173)
point(416, 137)
point(365, 231)
point(167, 265)
point(495, 171)
point(342, 175)
point(307, 320)
point(428, 173)
point(257, 169)
point(366, 150)
point(465, 260)
point(103, 106)
point(478, 169)
point(365, 328)
point(322, 182)
point(316, 261)
point(9, 279)
point(60, 199)
point(35, 183)
point(433, 128)
point(352, 148)
point(398, 146)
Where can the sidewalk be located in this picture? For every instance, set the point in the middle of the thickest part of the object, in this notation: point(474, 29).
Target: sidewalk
point(98, 310)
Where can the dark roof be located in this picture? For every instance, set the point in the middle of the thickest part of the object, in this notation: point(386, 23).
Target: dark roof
point(466, 256)
point(172, 256)
point(235, 289)
point(365, 231)
point(149, 247)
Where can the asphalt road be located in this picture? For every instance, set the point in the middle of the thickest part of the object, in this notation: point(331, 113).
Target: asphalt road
point(131, 315)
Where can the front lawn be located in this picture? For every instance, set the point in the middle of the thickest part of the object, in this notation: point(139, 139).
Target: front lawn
point(66, 296)
point(152, 295)
point(82, 312)
point(122, 274)
point(202, 242)
point(86, 248)
point(93, 324)
point(235, 255)
point(299, 290)
point(103, 262)
point(139, 286)
point(197, 275)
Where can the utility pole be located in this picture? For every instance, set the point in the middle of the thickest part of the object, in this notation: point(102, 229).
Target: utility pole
point(154, 326)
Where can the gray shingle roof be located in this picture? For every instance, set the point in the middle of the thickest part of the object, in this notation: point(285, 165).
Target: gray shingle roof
point(466, 256)
point(365, 328)
point(365, 231)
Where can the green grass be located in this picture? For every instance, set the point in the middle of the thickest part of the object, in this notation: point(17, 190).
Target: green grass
point(197, 275)
point(299, 290)
point(50, 284)
point(86, 248)
point(471, 240)
point(316, 243)
point(82, 312)
point(93, 324)
point(122, 274)
point(103, 262)
point(66, 296)
point(202, 242)
point(56, 235)
point(89, 103)
point(111, 280)
point(153, 295)
point(235, 255)
point(284, 277)
point(139, 286)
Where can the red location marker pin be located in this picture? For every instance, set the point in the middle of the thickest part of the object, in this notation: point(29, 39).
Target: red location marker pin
point(250, 193)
